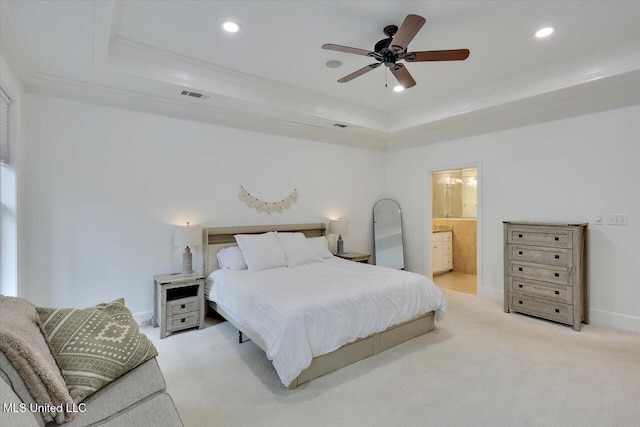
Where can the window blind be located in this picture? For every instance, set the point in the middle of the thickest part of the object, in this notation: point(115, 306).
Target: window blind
point(4, 127)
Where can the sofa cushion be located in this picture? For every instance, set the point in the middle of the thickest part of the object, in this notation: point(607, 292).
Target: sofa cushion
point(10, 376)
point(94, 346)
point(10, 414)
point(137, 385)
point(156, 412)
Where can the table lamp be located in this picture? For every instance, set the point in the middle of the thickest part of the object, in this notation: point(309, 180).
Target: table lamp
point(189, 236)
point(339, 227)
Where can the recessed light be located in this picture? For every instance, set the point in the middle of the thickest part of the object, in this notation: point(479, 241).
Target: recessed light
point(398, 88)
point(545, 32)
point(333, 63)
point(231, 27)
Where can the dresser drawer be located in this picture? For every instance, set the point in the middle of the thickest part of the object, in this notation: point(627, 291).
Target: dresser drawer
point(540, 255)
point(550, 310)
point(547, 291)
point(544, 273)
point(183, 321)
point(540, 237)
point(182, 305)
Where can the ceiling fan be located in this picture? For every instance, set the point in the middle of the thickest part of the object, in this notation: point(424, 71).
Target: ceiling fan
point(394, 48)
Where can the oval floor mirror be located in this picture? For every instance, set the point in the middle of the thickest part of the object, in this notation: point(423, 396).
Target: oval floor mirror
point(387, 234)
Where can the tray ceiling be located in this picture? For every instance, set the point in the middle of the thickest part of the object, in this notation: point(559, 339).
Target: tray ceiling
point(271, 76)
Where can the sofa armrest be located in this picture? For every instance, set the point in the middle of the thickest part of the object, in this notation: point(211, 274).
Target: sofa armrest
point(10, 410)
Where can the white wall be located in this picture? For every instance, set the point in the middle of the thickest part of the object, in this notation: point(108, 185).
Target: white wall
point(104, 188)
point(563, 171)
point(8, 182)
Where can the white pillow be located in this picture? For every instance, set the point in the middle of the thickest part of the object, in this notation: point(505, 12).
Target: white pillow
point(231, 258)
point(261, 251)
point(320, 246)
point(297, 250)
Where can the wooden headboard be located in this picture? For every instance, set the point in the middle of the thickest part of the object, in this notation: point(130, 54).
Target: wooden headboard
point(216, 238)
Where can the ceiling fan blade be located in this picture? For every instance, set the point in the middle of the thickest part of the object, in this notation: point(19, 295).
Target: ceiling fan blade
point(403, 76)
point(407, 31)
point(360, 72)
point(348, 49)
point(437, 55)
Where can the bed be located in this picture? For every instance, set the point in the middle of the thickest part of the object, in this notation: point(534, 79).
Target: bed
point(315, 318)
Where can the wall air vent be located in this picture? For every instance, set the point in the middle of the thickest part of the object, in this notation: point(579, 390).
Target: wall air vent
point(340, 125)
point(194, 94)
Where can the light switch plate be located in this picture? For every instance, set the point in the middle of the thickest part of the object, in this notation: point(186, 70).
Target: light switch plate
point(617, 219)
point(599, 220)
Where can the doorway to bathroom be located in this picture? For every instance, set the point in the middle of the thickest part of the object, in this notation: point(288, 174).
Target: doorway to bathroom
point(454, 229)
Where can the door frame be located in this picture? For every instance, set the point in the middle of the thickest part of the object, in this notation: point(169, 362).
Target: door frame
point(428, 215)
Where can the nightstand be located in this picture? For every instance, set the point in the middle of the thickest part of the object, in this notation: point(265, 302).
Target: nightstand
point(356, 257)
point(179, 302)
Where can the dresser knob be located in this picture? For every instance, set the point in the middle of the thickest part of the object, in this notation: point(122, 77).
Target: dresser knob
point(183, 306)
point(557, 310)
point(557, 292)
point(182, 320)
point(519, 268)
point(519, 252)
point(557, 239)
point(520, 236)
point(557, 257)
point(557, 274)
point(520, 285)
point(519, 302)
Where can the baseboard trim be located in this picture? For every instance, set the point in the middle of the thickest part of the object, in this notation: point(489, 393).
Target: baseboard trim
point(491, 294)
point(144, 318)
point(615, 320)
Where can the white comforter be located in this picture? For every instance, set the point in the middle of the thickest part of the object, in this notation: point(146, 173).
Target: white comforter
point(310, 310)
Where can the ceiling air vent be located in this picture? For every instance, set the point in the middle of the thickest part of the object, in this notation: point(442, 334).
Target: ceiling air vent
point(194, 94)
point(340, 125)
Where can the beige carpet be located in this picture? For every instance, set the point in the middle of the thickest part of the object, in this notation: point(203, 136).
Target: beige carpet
point(480, 367)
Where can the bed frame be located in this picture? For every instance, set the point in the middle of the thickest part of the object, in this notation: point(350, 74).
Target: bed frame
point(216, 238)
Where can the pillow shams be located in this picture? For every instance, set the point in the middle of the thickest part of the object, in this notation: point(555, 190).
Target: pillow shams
point(261, 251)
point(297, 250)
point(231, 258)
point(320, 246)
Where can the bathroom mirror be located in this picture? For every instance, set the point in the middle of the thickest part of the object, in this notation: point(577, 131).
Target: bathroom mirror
point(387, 234)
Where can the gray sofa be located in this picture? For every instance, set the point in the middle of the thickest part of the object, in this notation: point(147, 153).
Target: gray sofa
point(138, 398)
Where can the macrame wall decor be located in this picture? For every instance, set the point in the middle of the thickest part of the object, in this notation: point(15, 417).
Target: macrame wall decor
point(269, 207)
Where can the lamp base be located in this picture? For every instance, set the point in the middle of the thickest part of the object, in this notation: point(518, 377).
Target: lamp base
point(187, 264)
point(340, 248)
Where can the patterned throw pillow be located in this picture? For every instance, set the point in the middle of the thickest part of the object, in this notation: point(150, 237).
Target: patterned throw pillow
point(94, 346)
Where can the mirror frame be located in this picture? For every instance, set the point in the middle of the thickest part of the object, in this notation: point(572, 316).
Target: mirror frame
point(375, 258)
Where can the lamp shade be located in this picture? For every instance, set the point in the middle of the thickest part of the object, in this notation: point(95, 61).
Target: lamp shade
point(339, 226)
point(188, 236)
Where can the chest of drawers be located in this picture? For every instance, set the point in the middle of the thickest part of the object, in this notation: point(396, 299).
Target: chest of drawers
point(544, 271)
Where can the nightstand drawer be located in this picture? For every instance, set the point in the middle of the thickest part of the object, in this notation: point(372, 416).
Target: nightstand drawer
point(548, 291)
point(182, 305)
point(182, 321)
point(547, 309)
point(544, 273)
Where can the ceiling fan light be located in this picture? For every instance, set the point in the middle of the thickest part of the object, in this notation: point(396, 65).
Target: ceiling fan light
point(398, 88)
point(545, 32)
point(230, 26)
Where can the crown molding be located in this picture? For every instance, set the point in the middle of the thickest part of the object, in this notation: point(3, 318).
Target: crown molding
point(53, 86)
point(626, 60)
point(13, 47)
